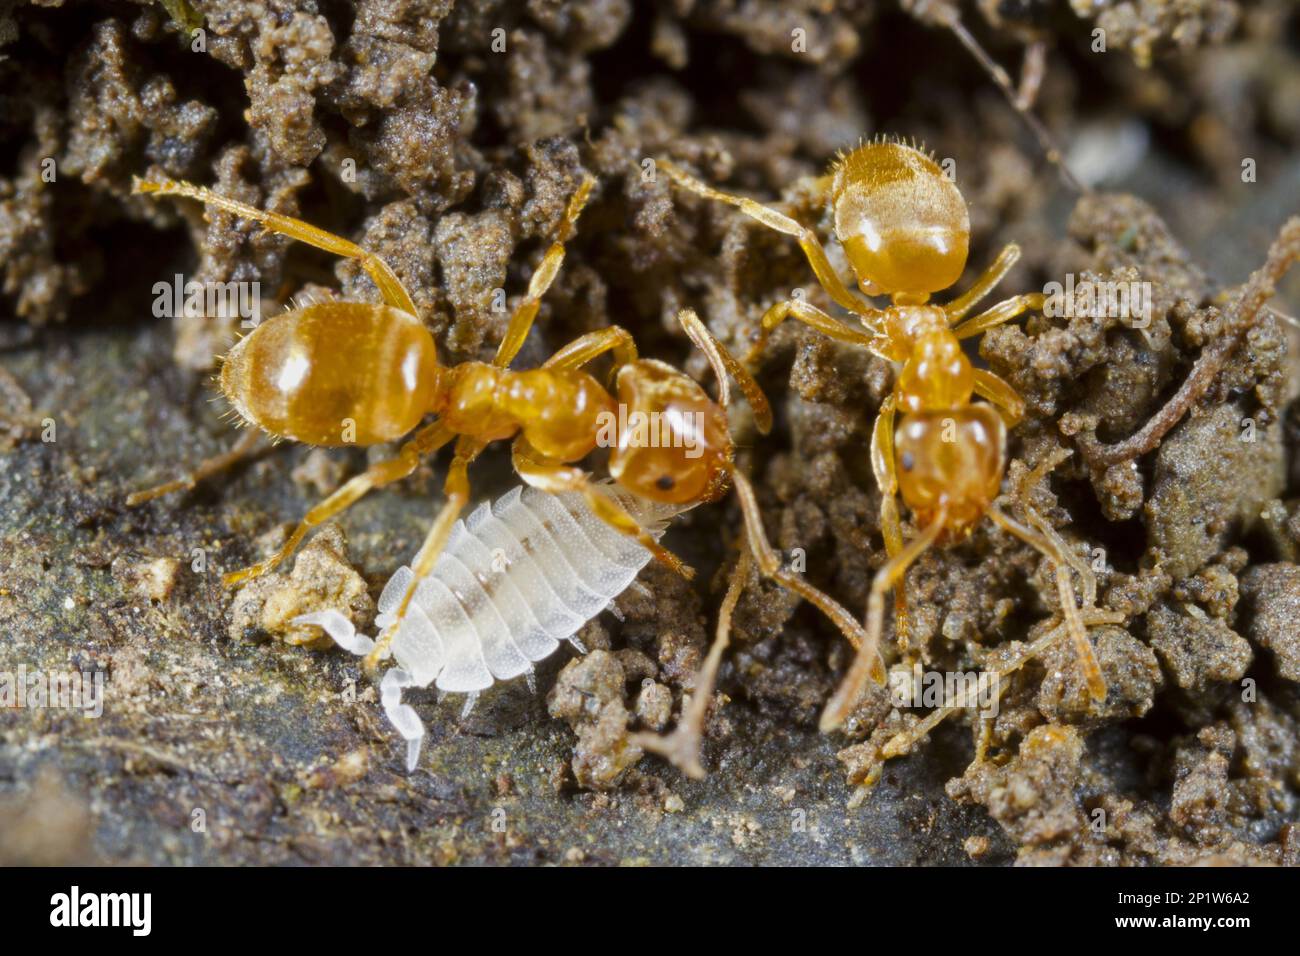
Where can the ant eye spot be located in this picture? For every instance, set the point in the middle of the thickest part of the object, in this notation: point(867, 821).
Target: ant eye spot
point(907, 460)
point(665, 483)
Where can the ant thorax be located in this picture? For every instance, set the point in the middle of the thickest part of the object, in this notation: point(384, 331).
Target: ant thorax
point(906, 325)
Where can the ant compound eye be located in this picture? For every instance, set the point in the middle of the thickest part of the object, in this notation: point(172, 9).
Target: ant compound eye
point(907, 460)
point(665, 483)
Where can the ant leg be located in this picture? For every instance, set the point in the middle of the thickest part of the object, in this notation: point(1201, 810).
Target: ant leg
point(1002, 312)
point(390, 287)
point(806, 238)
point(884, 465)
point(456, 489)
point(1065, 589)
point(430, 438)
point(999, 391)
point(810, 315)
point(770, 567)
point(995, 273)
point(242, 449)
point(902, 742)
point(558, 478)
point(526, 311)
point(587, 347)
point(1027, 482)
point(1071, 558)
point(724, 364)
point(682, 746)
point(846, 696)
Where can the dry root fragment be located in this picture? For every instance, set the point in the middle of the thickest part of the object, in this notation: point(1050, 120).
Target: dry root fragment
point(1240, 316)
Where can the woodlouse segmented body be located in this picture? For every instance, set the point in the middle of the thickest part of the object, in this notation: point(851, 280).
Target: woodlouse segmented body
point(516, 578)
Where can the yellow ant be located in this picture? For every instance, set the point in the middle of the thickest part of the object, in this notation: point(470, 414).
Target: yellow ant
point(905, 231)
point(301, 373)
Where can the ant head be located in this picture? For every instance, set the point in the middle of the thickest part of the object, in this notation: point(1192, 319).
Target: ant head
point(902, 222)
point(951, 459)
point(335, 373)
point(673, 445)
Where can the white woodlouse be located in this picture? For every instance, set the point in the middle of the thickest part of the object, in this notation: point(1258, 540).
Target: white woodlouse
point(516, 578)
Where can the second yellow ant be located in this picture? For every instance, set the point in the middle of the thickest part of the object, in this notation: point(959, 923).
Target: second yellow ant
point(905, 232)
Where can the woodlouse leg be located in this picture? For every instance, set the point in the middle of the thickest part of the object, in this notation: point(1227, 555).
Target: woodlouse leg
point(846, 695)
point(769, 565)
point(780, 222)
point(402, 716)
point(682, 746)
point(999, 391)
point(884, 465)
point(456, 489)
point(557, 478)
point(244, 448)
point(390, 287)
point(339, 629)
point(526, 311)
point(809, 315)
point(1065, 590)
point(724, 364)
point(1004, 311)
point(428, 439)
point(1032, 70)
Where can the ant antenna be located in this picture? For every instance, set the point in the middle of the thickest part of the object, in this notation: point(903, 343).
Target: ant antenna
point(947, 16)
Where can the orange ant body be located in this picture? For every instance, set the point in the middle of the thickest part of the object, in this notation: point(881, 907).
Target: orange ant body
point(303, 373)
point(905, 231)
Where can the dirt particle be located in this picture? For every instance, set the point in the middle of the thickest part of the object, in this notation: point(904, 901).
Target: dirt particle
point(321, 579)
point(1272, 593)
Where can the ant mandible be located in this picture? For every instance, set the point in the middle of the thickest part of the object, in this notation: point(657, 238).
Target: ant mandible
point(301, 373)
point(905, 231)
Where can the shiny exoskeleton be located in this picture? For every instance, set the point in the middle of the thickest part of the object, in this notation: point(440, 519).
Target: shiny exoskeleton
point(905, 232)
point(340, 372)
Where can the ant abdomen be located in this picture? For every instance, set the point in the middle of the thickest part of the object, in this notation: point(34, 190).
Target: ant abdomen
point(951, 459)
point(334, 373)
point(901, 220)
